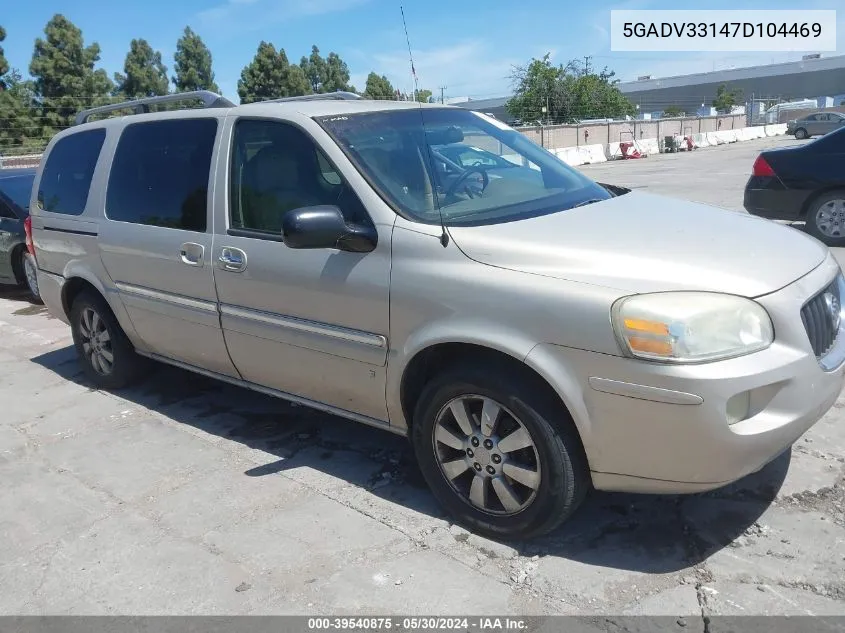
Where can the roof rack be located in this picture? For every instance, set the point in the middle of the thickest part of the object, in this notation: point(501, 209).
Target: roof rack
point(340, 95)
point(209, 100)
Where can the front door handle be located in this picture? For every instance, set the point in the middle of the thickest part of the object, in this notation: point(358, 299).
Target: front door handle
point(232, 259)
point(192, 253)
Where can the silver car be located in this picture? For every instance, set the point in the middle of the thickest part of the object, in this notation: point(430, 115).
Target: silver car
point(817, 124)
point(532, 332)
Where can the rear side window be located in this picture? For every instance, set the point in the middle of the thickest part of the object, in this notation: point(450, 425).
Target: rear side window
point(160, 174)
point(66, 178)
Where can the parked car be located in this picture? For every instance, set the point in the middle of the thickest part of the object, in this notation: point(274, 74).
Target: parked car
point(17, 265)
point(533, 338)
point(803, 183)
point(817, 124)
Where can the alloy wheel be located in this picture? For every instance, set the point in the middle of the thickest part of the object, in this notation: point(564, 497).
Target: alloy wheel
point(30, 275)
point(487, 455)
point(96, 342)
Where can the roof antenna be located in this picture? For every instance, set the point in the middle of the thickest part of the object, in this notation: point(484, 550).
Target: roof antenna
point(444, 236)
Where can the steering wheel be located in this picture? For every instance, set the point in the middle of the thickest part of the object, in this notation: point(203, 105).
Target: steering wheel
point(485, 180)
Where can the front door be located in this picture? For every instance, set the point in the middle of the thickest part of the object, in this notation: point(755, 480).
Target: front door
point(156, 240)
point(311, 323)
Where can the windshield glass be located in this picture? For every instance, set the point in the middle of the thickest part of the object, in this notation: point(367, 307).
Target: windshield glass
point(17, 188)
point(465, 166)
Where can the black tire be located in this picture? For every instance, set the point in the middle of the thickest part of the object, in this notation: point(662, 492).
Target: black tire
point(564, 480)
point(801, 133)
point(813, 222)
point(126, 366)
point(30, 282)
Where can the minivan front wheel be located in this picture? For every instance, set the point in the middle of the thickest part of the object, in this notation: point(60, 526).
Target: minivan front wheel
point(107, 356)
point(498, 453)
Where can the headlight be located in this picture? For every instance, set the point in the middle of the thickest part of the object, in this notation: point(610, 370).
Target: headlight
point(687, 327)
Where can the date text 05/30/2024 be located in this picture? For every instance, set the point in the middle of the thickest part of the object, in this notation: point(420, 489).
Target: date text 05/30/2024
point(416, 623)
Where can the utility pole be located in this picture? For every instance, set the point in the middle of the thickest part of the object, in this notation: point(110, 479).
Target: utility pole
point(587, 59)
point(442, 88)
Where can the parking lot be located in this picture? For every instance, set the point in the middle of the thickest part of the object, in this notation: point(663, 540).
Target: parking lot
point(188, 496)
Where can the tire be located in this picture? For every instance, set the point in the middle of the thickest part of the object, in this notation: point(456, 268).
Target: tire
point(826, 218)
point(555, 462)
point(30, 268)
point(801, 133)
point(91, 312)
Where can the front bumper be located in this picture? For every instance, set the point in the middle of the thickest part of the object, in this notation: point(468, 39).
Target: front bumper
point(659, 428)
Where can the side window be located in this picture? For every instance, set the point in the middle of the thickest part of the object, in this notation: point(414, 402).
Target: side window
point(160, 174)
point(275, 168)
point(66, 177)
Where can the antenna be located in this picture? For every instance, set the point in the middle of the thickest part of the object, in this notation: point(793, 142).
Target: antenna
point(444, 236)
point(410, 54)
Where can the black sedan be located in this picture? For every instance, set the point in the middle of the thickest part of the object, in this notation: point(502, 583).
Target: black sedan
point(17, 264)
point(803, 183)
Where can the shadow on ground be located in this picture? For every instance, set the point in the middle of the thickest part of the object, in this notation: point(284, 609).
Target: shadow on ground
point(645, 533)
point(19, 294)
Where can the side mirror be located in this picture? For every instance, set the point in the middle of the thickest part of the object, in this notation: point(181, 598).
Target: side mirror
point(325, 227)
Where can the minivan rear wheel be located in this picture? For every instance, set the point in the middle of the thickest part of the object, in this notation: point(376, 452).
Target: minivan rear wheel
point(498, 453)
point(106, 355)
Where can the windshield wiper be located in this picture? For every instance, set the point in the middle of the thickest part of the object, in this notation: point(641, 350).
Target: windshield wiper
point(586, 202)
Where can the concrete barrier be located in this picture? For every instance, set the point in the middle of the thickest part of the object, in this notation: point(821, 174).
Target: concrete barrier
point(648, 146)
point(700, 140)
point(569, 155)
point(613, 151)
point(780, 128)
point(592, 154)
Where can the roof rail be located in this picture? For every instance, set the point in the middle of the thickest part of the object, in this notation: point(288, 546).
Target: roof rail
point(209, 100)
point(340, 95)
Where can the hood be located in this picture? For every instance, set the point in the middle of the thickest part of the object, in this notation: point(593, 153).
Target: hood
point(641, 242)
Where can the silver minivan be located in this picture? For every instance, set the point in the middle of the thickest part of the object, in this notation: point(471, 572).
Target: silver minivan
point(533, 333)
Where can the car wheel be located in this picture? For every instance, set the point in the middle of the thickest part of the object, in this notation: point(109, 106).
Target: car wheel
point(800, 133)
point(498, 452)
point(826, 218)
point(30, 269)
point(107, 356)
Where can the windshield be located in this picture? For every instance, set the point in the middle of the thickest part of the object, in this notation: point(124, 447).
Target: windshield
point(466, 167)
point(17, 188)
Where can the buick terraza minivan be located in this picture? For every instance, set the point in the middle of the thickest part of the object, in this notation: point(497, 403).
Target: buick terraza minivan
point(432, 272)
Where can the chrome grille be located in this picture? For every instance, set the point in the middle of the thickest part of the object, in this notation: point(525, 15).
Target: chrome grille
point(821, 316)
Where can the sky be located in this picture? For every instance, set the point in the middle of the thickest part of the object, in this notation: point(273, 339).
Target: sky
point(467, 48)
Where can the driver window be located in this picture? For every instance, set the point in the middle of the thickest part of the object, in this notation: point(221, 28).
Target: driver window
point(276, 167)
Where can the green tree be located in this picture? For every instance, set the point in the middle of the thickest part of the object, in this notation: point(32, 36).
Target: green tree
point(314, 68)
point(144, 73)
point(565, 94)
point(4, 65)
point(326, 75)
point(269, 75)
point(379, 87)
point(297, 82)
point(193, 64)
point(19, 123)
point(726, 99)
point(673, 111)
point(423, 96)
point(63, 69)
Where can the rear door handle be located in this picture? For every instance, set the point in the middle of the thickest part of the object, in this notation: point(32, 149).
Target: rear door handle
point(192, 253)
point(232, 259)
